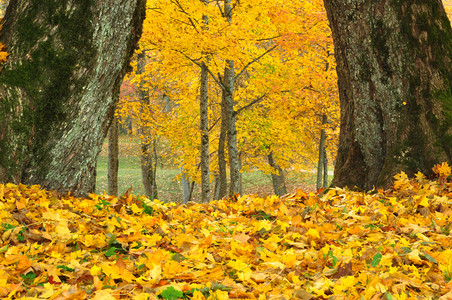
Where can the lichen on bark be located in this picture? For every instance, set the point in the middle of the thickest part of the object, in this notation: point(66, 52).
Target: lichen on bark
point(67, 60)
point(393, 60)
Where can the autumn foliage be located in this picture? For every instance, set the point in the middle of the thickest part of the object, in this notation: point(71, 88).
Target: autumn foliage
point(395, 243)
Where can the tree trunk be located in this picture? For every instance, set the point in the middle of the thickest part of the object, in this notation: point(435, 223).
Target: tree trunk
point(57, 89)
point(148, 159)
point(204, 128)
point(234, 165)
point(322, 157)
point(325, 168)
point(395, 85)
point(113, 153)
point(278, 180)
point(229, 82)
point(187, 186)
point(222, 180)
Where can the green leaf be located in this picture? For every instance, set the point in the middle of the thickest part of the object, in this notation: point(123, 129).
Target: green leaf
point(221, 287)
point(65, 268)
point(388, 296)
point(110, 252)
point(29, 275)
point(171, 294)
point(428, 257)
point(376, 260)
point(8, 226)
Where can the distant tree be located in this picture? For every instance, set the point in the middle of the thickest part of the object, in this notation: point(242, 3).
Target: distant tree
point(57, 89)
point(395, 84)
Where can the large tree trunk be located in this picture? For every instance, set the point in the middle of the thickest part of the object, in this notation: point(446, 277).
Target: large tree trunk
point(394, 64)
point(113, 154)
point(58, 87)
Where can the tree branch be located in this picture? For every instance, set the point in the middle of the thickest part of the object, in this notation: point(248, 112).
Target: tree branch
point(219, 7)
point(217, 80)
point(253, 61)
point(177, 3)
point(259, 99)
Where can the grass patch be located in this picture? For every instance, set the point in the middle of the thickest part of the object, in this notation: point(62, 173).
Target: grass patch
point(169, 189)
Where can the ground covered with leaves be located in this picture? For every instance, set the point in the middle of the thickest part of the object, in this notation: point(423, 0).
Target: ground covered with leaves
point(393, 244)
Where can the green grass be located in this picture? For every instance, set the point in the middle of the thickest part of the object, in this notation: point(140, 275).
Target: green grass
point(129, 176)
point(169, 189)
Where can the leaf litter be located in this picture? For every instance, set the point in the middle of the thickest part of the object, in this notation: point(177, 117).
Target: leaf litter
point(344, 244)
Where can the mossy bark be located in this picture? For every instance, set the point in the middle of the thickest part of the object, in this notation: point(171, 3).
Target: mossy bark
point(67, 61)
point(394, 65)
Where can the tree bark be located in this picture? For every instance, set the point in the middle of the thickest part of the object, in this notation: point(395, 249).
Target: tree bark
point(113, 153)
point(325, 168)
point(204, 123)
point(57, 89)
point(222, 180)
point(395, 85)
point(204, 128)
point(278, 180)
point(229, 82)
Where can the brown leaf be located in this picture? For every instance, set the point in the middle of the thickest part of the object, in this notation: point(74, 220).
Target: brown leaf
point(302, 294)
point(343, 270)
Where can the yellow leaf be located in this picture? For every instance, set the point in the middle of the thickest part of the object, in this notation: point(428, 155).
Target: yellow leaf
point(313, 233)
point(104, 295)
point(141, 296)
point(424, 202)
point(414, 256)
point(219, 295)
point(95, 270)
point(136, 209)
point(3, 54)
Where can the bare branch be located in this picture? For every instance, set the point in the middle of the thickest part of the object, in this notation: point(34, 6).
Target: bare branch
point(257, 100)
point(254, 60)
point(219, 7)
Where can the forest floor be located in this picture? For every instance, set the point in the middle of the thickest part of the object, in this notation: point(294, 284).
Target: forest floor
point(168, 184)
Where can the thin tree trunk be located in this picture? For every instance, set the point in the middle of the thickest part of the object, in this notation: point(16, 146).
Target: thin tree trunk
point(322, 157)
point(204, 123)
point(395, 86)
point(240, 174)
point(148, 172)
point(113, 153)
point(325, 168)
point(204, 128)
point(57, 89)
point(229, 82)
point(278, 180)
point(187, 186)
point(222, 180)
